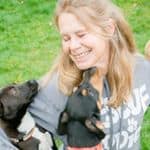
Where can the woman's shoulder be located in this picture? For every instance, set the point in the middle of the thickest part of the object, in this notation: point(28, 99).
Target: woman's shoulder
point(49, 94)
point(141, 70)
point(141, 81)
point(49, 85)
point(48, 80)
point(142, 63)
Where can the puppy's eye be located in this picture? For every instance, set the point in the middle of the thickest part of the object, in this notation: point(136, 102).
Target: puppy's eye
point(13, 91)
point(90, 92)
point(84, 92)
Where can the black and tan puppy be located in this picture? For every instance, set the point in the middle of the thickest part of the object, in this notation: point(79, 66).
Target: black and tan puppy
point(14, 101)
point(82, 113)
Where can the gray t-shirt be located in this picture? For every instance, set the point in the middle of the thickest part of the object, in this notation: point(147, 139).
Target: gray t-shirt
point(122, 125)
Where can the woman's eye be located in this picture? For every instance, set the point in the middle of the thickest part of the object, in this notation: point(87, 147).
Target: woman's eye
point(66, 39)
point(81, 35)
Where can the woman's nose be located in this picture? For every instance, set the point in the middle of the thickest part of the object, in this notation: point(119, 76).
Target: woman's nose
point(75, 44)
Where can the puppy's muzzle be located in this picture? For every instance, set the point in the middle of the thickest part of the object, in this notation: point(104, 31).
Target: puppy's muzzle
point(33, 85)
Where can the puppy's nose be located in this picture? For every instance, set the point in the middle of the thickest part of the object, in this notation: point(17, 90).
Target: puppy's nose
point(32, 83)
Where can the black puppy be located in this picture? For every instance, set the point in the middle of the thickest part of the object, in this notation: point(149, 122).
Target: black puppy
point(82, 113)
point(14, 101)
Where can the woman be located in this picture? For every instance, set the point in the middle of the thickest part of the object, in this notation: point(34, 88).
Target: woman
point(95, 33)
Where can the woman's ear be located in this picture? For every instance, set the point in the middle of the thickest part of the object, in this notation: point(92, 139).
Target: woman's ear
point(111, 26)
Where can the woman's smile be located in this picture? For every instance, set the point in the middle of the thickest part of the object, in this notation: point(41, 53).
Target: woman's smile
point(80, 57)
point(85, 48)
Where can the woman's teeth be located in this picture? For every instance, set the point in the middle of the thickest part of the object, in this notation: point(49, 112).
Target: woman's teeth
point(82, 54)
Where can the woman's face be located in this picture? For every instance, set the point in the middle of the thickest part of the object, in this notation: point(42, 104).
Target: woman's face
point(85, 48)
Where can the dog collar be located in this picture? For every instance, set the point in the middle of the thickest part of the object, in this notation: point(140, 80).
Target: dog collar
point(21, 137)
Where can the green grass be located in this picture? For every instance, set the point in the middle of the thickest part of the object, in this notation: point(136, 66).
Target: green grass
point(29, 41)
point(137, 13)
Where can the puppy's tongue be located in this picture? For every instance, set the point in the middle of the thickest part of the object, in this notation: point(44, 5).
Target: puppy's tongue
point(27, 123)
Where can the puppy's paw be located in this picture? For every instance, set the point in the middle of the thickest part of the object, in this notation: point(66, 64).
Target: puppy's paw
point(94, 125)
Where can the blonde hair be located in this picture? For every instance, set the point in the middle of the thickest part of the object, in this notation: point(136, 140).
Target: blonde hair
point(122, 47)
point(147, 50)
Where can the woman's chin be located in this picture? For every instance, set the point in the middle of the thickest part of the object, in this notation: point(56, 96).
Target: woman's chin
point(83, 66)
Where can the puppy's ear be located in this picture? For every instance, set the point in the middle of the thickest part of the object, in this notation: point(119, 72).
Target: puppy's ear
point(1, 109)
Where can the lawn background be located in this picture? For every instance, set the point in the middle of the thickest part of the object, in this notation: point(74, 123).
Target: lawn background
point(29, 41)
